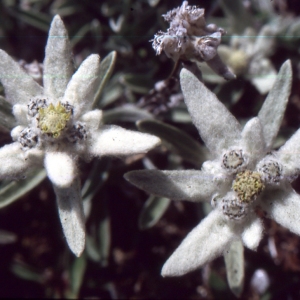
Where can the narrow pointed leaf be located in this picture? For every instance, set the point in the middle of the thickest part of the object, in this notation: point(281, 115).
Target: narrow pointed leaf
point(152, 211)
point(76, 276)
point(253, 140)
point(81, 89)
point(106, 69)
point(218, 128)
point(13, 190)
point(187, 147)
point(192, 185)
point(273, 109)
point(114, 140)
point(58, 64)
point(71, 216)
point(235, 268)
point(126, 113)
point(19, 87)
point(283, 206)
point(289, 154)
point(7, 119)
point(203, 244)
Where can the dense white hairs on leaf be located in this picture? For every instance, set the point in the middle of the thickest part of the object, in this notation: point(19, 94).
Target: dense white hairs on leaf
point(235, 267)
point(83, 85)
point(289, 154)
point(203, 244)
point(61, 168)
point(283, 206)
point(273, 109)
point(71, 215)
point(253, 233)
point(253, 140)
point(13, 162)
point(92, 119)
point(20, 113)
point(58, 63)
point(218, 128)
point(189, 185)
point(115, 140)
point(19, 87)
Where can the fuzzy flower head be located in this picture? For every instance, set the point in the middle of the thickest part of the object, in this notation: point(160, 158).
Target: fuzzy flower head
point(247, 55)
point(189, 38)
point(241, 177)
point(57, 124)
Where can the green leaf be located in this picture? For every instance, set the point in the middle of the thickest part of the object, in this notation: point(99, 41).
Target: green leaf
point(126, 113)
point(34, 18)
point(13, 190)
point(7, 119)
point(152, 211)
point(136, 83)
point(106, 69)
point(216, 282)
point(91, 248)
point(104, 240)
point(26, 272)
point(186, 147)
point(76, 276)
point(234, 261)
point(79, 35)
point(96, 178)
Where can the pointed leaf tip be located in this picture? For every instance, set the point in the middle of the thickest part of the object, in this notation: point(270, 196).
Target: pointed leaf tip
point(273, 109)
point(218, 128)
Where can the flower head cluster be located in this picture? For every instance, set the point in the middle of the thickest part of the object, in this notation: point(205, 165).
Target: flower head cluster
point(242, 175)
point(189, 38)
point(57, 125)
point(248, 55)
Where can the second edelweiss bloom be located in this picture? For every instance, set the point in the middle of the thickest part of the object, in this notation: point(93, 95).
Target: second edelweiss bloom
point(58, 124)
point(241, 176)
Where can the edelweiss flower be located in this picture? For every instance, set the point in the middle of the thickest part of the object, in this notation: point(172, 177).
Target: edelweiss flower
point(242, 175)
point(248, 55)
point(189, 38)
point(56, 126)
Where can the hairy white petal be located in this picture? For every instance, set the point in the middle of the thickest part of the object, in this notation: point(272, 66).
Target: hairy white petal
point(61, 168)
point(273, 109)
point(204, 243)
point(114, 140)
point(253, 140)
point(218, 128)
point(58, 65)
point(235, 267)
point(289, 154)
point(15, 133)
point(20, 113)
point(71, 215)
point(19, 87)
point(253, 233)
point(81, 90)
point(177, 185)
point(92, 119)
point(13, 161)
point(284, 207)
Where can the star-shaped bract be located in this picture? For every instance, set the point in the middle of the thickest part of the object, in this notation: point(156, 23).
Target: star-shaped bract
point(241, 176)
point(57, 124)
